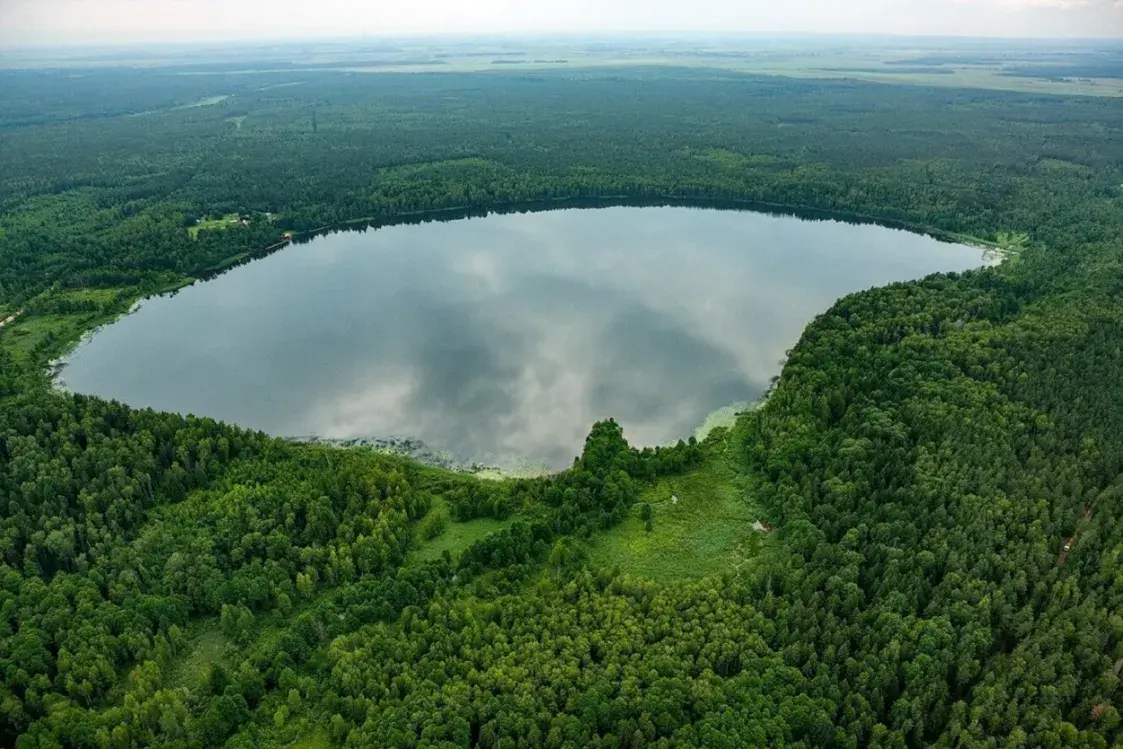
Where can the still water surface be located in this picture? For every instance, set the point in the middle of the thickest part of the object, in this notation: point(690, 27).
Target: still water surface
point(501, 339)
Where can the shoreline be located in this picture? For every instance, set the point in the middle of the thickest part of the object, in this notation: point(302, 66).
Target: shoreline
point(56, 366)
point(416, 449)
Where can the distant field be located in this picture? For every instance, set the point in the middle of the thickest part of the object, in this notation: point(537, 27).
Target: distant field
point(1038, 66)
point(857, 67)
point(206, 101)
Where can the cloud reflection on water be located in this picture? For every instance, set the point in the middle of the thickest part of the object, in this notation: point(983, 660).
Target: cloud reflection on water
point(502, 339)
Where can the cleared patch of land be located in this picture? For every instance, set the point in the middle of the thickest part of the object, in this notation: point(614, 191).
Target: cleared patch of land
point(206, 101)
point(315, 740)
point(1057, 67)
point(893, 62)
point(709, 530)
point(204, 224)
point(726, 416)
point(862, 69)
point(456, 537)
point(207, 647)
point(52, 322)
point(23, 335)
point(280, 85)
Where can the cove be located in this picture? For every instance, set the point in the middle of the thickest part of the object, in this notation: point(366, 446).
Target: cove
point(501, 339)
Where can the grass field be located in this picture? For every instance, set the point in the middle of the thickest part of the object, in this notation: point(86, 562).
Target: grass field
point(888, 63)
point(22, 336)
point(456, 537)
point(212, 223)
point(1043, 67)
point(725, 416)
point(853, 68)
point(207, 647)
point(316, 740)
point(708, 531)
point(206, 101)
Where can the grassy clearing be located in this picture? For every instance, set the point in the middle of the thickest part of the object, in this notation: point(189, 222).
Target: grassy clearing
point(23, 335)
point(212, 223)
point(865, 66)
point(456, 537)
point(525, 470)
point(206, 101)
point(208, 647)
point(723, 417)
point(58, 333)
point(100, 296)
point(318, 739)
point(1011, 241)
point(708, 531)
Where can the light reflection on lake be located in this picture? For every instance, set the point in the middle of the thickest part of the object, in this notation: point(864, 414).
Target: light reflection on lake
point(502, 339)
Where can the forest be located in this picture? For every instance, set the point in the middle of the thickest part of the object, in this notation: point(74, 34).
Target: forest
point(940, 459)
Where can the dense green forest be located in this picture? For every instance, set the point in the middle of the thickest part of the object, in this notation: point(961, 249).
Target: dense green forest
point(940, 459)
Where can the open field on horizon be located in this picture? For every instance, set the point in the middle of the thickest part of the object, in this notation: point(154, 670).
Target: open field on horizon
point(1093, 68)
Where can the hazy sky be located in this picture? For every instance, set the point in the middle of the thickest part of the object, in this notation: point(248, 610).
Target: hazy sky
point(85, 21)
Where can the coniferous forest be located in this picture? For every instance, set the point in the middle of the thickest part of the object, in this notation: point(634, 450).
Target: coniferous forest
point(941, 460)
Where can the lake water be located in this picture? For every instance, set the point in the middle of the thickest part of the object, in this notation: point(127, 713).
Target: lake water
point(501, 339)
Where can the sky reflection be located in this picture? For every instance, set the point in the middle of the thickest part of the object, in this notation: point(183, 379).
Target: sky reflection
point(503, 339)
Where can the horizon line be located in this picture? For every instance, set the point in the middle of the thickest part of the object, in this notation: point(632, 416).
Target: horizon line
point(134, 43)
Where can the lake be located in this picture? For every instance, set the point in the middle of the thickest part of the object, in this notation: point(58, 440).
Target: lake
point(501, 339)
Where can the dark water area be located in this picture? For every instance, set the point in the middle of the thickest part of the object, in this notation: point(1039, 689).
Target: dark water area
point(501, 339)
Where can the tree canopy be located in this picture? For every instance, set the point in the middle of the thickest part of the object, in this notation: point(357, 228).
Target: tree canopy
point(940, 459)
